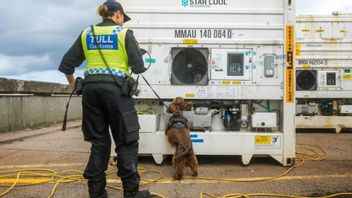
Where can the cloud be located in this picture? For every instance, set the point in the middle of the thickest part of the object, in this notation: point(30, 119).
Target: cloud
point(35, 34)
point(42, 26)
point(323, 7)
point(44, 76)
point(22, 64)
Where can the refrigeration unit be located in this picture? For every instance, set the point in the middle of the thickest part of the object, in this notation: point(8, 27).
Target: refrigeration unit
point(234, 61)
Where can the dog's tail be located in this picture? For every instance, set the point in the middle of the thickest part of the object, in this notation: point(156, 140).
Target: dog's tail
point(186, 150)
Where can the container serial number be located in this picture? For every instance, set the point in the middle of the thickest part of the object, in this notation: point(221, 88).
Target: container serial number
point(204, 34)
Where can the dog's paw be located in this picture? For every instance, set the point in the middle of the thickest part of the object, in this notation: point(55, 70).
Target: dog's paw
point(178, 177)
point(195, 174)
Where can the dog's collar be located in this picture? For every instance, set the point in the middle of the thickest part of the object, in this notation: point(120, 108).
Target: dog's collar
point(179, 125)
point(178, 122)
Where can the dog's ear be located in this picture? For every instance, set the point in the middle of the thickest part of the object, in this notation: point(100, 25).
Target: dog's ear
point(174, 100)
point(186, 106)
point(172, 108)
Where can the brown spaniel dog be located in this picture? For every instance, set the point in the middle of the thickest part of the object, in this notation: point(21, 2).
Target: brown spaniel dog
point(178, 135)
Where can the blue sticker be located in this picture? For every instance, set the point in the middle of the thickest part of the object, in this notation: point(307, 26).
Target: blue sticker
point(195, 139)
point(283, 56)
point(198, 140)
point(105, 42)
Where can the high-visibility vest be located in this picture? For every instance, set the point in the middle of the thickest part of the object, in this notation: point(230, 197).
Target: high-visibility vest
point(111, 41)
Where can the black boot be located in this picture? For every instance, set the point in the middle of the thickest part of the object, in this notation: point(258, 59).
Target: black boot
point(137, 194)
point(97, 189)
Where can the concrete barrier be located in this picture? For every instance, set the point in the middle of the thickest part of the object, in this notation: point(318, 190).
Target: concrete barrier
point(41, 107)
point(21, 112)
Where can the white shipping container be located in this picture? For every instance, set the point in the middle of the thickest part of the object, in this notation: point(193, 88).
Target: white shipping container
point(226, 51)
point(324, 69)
point(324, 45)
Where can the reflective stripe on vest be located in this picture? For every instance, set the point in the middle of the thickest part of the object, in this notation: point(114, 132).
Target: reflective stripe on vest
point(111, 42)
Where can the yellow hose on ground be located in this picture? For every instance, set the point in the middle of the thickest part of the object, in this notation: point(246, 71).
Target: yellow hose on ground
point(12, 186)
point(308, 152)
point(270, 195)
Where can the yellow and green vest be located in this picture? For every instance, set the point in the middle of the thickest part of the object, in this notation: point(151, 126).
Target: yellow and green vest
point(111, 42)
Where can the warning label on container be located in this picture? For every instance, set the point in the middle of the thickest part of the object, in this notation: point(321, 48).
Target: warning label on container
point(267, 141)
point(290, 77)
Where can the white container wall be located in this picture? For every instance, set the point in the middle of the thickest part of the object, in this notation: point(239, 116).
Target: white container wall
point(231, 59)
point(324, 70)
point(324, 45)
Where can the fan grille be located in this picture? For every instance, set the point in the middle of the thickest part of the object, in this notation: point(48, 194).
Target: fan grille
point(306, 80)
point(190, 66)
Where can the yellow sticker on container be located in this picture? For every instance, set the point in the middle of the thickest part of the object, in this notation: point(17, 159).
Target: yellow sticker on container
point(306, 66)
point(320, 30)
point(190, 41)
point(347, 76)
point(344, 31)
point(290, 44)
point(226, 82)
point(236, 82)
point(298, 49)
point(305, 30)
point(263, 140)
point(190, 95)
point(290, 87)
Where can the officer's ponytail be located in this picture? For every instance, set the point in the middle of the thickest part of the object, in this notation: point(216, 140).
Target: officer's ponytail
point(104, 12)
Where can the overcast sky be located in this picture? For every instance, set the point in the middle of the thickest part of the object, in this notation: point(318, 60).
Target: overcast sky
point(35, 34)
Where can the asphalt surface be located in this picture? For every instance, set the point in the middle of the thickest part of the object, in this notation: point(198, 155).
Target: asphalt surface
point(52, 149)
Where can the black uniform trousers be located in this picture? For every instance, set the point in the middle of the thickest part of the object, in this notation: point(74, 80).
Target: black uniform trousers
point(103, 106)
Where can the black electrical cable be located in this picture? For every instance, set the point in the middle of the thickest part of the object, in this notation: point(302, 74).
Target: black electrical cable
point(143, 51)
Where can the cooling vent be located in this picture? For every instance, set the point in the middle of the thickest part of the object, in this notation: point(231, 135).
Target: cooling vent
point(189, 66)
point(306, 80)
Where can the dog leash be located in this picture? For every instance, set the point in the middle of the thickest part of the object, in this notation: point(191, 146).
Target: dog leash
point(64, 124)
point(161, 101)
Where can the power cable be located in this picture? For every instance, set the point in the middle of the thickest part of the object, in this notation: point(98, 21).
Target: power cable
point(307, 152)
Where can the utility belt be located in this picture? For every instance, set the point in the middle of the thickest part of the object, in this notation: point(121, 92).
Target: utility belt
point(96, 78)
point(128, 85)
